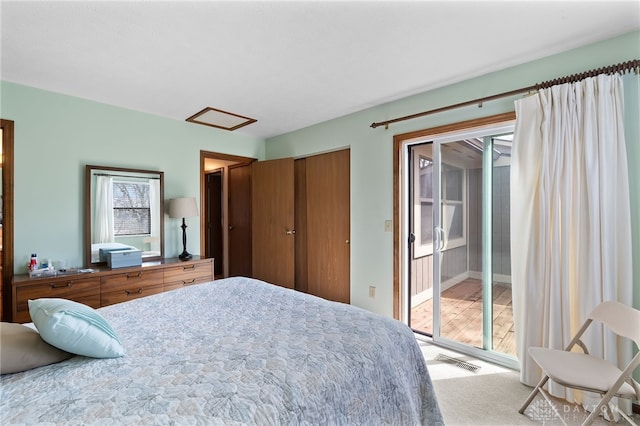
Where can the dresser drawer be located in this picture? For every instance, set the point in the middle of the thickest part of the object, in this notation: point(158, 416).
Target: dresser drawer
point(184, 283)
point(82, 290)
point(116, 288)
point(191, 273)
point(120, 296)
point(130, 280)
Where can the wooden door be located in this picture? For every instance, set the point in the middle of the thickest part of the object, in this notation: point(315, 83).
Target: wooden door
point(328, 225)
point(213, 212)
point(273, 234)
point(300, 177)
point(239, 220)
point(7, 131)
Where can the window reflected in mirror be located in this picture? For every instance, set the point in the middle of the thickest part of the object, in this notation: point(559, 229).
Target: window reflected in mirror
point(125, 210)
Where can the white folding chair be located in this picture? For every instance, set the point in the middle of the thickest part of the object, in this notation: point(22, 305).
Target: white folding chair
point(590, 373)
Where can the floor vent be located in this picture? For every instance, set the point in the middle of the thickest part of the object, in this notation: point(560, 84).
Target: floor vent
point(458, 363)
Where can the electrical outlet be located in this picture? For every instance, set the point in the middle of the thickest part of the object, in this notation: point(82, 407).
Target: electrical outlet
point(372, 291)
point(387, 225)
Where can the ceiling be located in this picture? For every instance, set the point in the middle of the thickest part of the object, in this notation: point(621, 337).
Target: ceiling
point(287, 64)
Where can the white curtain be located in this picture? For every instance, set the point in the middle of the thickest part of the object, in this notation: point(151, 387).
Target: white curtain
point(103, 229)
point(154, 202)
point(570, 218)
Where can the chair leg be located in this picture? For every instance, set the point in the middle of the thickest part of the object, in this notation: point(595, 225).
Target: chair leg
point(622, 414)
point(612, 419)
point(533, 394)
point(603, 404)
point(547, 397)
point(592, 416)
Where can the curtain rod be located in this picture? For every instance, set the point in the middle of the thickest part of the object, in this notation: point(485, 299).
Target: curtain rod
point(621, 67)
point(127, 176)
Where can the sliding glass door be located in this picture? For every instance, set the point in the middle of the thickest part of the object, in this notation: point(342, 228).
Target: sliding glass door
point(459, 261)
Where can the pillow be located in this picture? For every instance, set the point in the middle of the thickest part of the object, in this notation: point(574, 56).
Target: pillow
point(75, 328)
point(22, 348)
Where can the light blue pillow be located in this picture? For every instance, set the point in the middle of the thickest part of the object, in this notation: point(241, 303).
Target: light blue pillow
point(75, 328)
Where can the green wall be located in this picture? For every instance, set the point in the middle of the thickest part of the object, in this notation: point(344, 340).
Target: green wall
point(372, 151)
point(57, 135)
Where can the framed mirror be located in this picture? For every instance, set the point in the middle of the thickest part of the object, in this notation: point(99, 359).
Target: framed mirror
point(124, 208)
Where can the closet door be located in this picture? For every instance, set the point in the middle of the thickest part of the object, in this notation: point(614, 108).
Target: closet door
point(328, 225)
point(239, 220)
point(300, 176)
point(213, 213)
point(272, 195)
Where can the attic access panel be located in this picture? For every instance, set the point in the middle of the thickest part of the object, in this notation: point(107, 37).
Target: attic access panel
point(220, 119)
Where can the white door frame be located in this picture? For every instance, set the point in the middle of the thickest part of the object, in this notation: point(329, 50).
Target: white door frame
point(438, 141)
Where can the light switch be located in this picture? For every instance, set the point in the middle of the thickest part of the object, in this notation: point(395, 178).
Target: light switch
point(387, 225)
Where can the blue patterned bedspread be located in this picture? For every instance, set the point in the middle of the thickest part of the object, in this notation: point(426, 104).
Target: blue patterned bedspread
point(235, 351)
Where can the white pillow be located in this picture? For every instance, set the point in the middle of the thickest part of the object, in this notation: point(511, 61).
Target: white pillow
point(75, 328)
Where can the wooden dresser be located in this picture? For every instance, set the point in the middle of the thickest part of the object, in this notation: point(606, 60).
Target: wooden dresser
point(107, 286)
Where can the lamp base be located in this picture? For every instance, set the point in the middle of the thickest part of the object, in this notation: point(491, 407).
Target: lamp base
point(185, 256)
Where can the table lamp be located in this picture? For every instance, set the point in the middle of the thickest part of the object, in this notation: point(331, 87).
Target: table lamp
point(181, 208)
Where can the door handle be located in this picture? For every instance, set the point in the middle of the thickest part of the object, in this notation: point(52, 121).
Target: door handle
point(439, 234)
point(230, 227)
point(68, 284)
point(290, 231)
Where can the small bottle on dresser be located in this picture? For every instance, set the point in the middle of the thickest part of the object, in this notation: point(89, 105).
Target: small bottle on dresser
point(33, 264)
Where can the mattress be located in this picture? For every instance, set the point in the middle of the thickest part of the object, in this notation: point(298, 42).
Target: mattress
point(231, 352)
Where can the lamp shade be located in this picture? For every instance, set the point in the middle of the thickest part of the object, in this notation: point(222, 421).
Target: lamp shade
point(183, 207)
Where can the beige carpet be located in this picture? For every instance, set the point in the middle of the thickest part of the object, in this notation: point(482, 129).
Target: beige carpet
point(492, 395)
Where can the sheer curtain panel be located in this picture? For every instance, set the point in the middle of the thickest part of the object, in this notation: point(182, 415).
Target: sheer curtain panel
point(570, 218)
point(104, 210)
point(154, 200)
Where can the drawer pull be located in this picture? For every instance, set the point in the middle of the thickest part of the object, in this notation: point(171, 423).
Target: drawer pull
point(189, 282)
point(130, 292)
point(186, 268)
point(136, 275)
point(68, 284)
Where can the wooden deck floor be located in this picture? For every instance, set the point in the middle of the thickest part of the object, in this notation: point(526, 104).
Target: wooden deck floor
point(461, 307)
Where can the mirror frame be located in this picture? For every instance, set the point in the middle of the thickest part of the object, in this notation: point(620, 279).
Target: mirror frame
point(87, 213)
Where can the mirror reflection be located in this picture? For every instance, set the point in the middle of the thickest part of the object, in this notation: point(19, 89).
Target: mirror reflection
point(125, 210)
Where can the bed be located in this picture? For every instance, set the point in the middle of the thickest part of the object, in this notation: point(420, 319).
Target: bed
point(234, 351)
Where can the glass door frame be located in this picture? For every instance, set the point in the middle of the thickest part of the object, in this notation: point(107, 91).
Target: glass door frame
point(486, 134)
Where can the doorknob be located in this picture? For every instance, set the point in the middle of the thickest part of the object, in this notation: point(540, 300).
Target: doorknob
point(230, 227)
point(290, 231)
point(347, 242)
